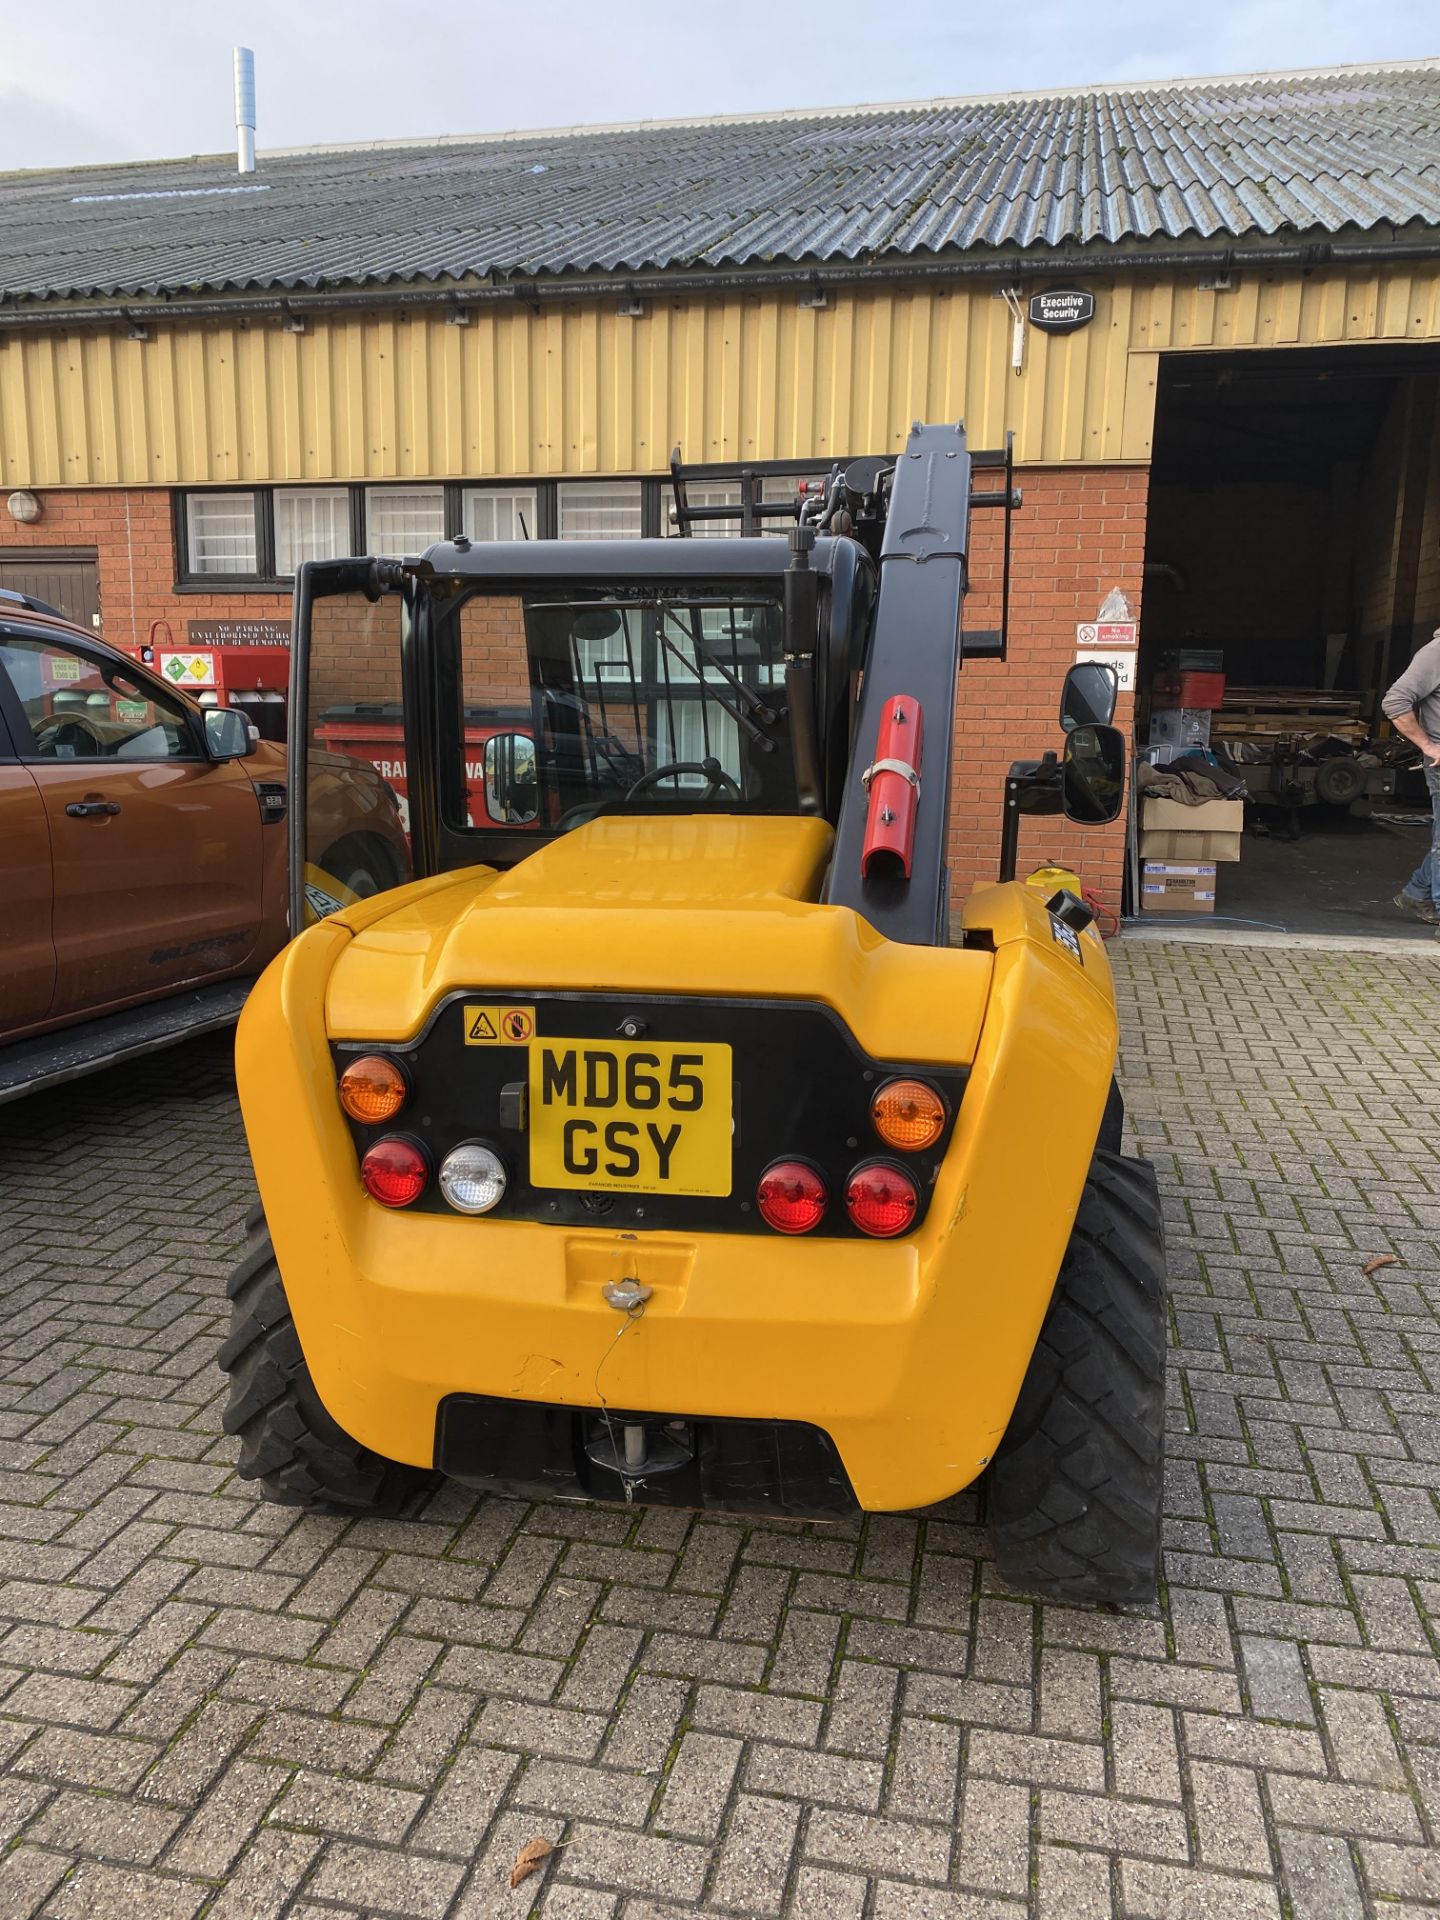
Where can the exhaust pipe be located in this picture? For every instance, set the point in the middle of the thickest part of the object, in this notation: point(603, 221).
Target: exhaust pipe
point(244, 110)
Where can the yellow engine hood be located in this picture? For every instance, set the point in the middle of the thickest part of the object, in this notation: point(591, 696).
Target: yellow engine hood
point(722, 906)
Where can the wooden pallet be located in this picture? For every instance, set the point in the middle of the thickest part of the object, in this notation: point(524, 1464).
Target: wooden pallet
point(1301, 709)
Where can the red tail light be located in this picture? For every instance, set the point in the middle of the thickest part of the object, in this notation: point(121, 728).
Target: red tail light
point(394, 1172)
point(791, 1197)
point(882, 1200)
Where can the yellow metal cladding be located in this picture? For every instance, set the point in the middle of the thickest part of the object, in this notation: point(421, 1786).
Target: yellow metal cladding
point(577, 389)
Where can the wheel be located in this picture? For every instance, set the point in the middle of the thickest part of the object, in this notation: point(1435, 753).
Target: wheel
point(288, 1442)
point(1339, 781)
point(1073, 1498)
point(364, 864)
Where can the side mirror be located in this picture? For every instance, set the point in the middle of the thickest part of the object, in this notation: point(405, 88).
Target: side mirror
point(512, 794)
point(1094, 774)
point(227, 737)
point(1088, 696)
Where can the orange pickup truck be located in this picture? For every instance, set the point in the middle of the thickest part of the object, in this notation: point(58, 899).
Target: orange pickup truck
point(142, 853)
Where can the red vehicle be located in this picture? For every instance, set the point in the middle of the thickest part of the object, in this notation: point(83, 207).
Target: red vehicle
point(500, 782)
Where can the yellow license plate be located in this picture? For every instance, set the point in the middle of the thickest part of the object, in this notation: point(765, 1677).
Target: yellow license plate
point(613, 1117)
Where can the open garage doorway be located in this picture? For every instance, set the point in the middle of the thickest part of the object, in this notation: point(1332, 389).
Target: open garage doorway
point(1293, 547)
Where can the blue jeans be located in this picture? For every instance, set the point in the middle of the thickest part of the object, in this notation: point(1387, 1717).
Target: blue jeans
point(1424, 883)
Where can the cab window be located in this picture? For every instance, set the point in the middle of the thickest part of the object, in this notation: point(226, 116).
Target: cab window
point(81, 708)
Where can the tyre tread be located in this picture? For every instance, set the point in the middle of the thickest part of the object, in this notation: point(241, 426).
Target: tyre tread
point(288, 1441)
point(1074, 1495)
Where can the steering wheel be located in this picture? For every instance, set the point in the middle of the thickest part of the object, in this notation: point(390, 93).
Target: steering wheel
point(75, 734)
point(717, 780)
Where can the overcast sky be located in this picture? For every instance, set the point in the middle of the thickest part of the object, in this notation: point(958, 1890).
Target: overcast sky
point(87, 80)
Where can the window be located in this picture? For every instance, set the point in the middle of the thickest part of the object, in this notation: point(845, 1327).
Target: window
point(779, 488)
point(600, 510)
point(492, 515)
point(83, 709)
point(311, 523)
point(708, 493)
point(220, 529)
point(259, 537)
point(401, 520)
point(623, 688)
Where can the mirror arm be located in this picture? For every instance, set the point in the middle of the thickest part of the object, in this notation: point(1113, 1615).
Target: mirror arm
point(1031, 786)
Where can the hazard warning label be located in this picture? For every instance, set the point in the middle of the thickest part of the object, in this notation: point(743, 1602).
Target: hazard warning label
point(499, 1026)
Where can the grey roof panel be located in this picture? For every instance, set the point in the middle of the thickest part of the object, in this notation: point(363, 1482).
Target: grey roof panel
point(1273, 155)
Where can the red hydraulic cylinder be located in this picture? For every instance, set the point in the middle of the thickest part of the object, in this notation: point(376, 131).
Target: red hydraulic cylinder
point(893, 783)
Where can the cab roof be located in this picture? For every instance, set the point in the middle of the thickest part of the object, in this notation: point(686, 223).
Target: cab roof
point(594, 562)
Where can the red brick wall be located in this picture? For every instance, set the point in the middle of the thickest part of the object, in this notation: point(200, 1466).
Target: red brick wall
point(1080, 532)
point(133, 534)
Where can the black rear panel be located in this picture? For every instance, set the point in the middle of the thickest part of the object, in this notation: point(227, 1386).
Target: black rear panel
point(538, 1452)
point(802, 1090)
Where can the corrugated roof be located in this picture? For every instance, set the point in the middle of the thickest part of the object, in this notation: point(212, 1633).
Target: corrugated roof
point(1270, 155)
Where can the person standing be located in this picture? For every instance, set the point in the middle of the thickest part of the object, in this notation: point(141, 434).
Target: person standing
point(1413, 708)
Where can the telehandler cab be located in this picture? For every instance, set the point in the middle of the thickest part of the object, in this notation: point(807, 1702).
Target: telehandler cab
point(673, 1143)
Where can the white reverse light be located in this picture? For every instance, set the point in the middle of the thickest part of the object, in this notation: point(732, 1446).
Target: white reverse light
point(473, 1178)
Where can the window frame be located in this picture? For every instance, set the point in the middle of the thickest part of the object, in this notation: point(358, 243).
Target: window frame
point(654, 497)
point(307, 487)
point(22, 734)
point(264, 541)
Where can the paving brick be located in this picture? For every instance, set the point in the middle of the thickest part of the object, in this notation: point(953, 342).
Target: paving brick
point(1121, 1826)
point(359, 1809)
point(754, 1862)
point(879, 1845)
point(925, 1770)
point(27, 1877)
point(1151, 1891)
point(637, 1862)
point(270, 1712)
point(1072, 1885)
point(466, 1801)
point(820, 1779)
point(390, 1882)
point(115, 1827)
point(1320, 1876)
point(862, 1707)
point(585, 1792)
point(98, 1892)
point(994, 1846)
point(698, 1786)
point(1229, 1818)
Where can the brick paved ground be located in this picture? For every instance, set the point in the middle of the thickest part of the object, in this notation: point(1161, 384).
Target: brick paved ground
point(210, 1705)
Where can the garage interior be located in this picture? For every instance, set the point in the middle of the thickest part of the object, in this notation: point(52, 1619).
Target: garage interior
point(1294, 529)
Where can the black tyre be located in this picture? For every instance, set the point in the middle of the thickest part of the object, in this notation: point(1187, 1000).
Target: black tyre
point(1074, 1495)
point(288, 1442)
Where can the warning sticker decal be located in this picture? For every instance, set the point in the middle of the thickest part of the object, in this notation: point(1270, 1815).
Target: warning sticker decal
point(499, 1026)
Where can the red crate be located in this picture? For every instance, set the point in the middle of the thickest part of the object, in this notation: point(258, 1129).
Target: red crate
point(1205, 690)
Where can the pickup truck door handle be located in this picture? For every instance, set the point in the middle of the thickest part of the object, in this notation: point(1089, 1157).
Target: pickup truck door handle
point(82, 809)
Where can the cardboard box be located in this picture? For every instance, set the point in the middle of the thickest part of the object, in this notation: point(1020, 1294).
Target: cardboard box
point(1177, 886)
point(1180, 727)
point(1157, 844)
point(1169, 830)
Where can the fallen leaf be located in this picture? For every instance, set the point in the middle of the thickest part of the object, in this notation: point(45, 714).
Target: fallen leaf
point(1380, 1260)
point(529, 1860)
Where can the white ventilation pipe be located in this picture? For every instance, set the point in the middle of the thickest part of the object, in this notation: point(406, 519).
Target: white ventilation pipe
point(244, 110)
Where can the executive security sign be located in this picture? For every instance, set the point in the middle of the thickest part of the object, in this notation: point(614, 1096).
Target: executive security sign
point(1061, 309)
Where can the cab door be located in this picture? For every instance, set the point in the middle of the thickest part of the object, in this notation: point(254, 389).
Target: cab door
point(27, 951)
point(156, 848)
